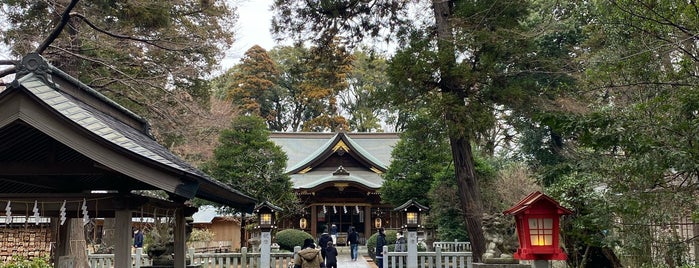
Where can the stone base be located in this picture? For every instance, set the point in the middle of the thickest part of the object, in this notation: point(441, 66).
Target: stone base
point(490, 265)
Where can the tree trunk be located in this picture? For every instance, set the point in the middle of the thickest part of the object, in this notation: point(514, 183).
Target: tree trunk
point(77, 244)
point(469, 194)
point(108, 229)
point(464, 167)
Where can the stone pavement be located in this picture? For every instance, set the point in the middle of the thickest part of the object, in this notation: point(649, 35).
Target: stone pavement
point(344, 260)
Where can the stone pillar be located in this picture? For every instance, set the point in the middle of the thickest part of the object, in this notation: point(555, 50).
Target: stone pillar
point(265, 248)
point(122, 238)
point(540, 264)
point(412, 249)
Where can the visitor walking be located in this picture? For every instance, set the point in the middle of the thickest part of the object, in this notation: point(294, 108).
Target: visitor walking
point(323, 243)
point(353, 239)
point(380, 242)
point(333, 233)
point(330, 256)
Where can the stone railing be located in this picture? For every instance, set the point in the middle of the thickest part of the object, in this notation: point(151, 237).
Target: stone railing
point(243, 259)
point(455, 246)
point(436, 259)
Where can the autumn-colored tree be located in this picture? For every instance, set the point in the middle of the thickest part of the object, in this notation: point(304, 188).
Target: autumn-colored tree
point(253, 88)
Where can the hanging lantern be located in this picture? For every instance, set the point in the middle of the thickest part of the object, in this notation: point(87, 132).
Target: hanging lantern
point(377, 223)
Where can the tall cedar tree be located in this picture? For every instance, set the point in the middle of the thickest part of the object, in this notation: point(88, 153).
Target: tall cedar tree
point(463, 61)
point(254, 88)
point(150, 56)
point(311, 78)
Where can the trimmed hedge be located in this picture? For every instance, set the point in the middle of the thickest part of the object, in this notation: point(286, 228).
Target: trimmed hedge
point(390, 242)
point(289, 238)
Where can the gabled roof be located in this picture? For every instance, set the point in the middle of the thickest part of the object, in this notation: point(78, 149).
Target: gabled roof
point(315, 159)
point(307, 150)
point(533, 199)
point(65, 113)
point(411, 203)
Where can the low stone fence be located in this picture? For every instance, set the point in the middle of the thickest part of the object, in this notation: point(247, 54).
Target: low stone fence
point(436, 259)
point(243, 259)
point(455, 246)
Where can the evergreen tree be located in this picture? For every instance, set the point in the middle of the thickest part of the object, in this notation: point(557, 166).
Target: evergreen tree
point(247, 160)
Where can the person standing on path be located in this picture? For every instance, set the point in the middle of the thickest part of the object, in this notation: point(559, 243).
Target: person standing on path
point(400, 242)
point(333, 233)
point(323, 243)
point(330, 256)
point(138, 239)
point(353, 238)
point(380, 242)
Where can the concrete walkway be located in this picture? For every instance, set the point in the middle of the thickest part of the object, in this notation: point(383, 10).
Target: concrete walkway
point(345, 261)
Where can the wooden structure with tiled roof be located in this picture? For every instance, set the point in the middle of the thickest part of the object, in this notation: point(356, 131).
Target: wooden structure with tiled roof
point(337, 176)
point(61, 141)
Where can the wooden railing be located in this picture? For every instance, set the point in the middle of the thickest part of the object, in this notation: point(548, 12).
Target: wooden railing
point(455, 246)
point(436, 259)
point(243, 259)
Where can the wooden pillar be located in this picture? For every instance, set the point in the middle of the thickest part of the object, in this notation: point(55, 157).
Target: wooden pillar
point(180, 238)
point(122, 238)
point(314, 220)
point(367, 222)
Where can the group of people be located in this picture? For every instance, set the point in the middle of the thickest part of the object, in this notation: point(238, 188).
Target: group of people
point(326, 256)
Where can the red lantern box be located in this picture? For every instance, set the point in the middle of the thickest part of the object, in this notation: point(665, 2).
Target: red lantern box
point(537, 219)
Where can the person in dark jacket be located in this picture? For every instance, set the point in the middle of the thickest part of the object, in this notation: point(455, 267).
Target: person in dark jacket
point(138, 239)
point(380, 242)
point(323, 243)
point(353, 239)
point(330, 255)
point(400, 242)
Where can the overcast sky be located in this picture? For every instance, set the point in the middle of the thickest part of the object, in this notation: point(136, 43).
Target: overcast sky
point(253, 29)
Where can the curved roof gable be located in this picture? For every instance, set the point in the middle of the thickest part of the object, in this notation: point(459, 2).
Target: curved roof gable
point(117, 138)
point(343, 143)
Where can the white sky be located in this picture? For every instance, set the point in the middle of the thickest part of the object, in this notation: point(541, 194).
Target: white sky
point(254, 22)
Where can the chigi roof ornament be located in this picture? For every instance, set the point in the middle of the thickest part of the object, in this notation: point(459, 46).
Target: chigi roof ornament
point(35, 63)
point(340, 171)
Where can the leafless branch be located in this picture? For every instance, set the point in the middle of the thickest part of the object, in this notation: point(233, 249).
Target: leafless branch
point(152, 42)
point(8, 71)
point(59, 28)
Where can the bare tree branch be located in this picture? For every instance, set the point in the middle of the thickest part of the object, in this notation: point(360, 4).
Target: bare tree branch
point(151, 42)
point(8, 71)
point(59, 28)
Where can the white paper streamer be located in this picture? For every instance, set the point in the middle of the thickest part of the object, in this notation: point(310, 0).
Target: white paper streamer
point(63, 212)
point(86, 217)
point(36, 213)
point(8, 213)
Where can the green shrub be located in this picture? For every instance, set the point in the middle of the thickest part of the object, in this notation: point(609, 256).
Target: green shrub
point(21, 262)
point(289, 238)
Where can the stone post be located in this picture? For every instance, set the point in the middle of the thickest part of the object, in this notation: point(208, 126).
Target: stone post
point(412, 248)
point(265, 248)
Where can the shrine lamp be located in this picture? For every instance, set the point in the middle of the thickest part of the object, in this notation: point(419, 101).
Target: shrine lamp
point(266, 215)
point(412, 214)
point(537, 221)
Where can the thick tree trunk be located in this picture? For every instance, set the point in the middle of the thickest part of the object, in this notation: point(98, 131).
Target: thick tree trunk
point(77, 244)
point(469, 192)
